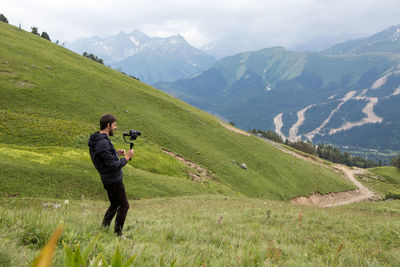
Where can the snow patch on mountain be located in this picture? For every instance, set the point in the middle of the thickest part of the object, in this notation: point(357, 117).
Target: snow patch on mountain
point(136, 42)
point(368, 110)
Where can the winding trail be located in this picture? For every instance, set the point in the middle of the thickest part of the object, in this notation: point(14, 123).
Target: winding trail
point(362, 193)
point(340, 198)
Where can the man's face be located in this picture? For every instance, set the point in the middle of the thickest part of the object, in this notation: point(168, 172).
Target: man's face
point(113, 128)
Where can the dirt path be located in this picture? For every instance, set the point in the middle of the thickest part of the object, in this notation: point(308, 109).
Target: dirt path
point(340, 198)
point(332, 199)
point(197, 172)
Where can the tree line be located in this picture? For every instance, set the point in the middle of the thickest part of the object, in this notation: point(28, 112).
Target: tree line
point(93, 57)
point(324, 151)
point(44, 35)
point(34, 30)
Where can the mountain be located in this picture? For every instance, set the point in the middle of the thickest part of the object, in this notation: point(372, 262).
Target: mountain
point(166, 59)
point(151, 59)
point(51, 100)
point(321, 43)
point(387, 41)
point(112, 48)
point(349, 100)
point(225, 47)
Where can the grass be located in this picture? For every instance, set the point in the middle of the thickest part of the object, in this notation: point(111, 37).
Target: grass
point(382, 180)
point(210, 231)
point(55, 172)
point(51, 100)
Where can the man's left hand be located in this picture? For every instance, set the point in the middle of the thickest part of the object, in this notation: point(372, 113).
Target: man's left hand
point(121, 152)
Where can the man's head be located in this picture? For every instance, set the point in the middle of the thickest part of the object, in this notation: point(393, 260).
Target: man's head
point(108, 123)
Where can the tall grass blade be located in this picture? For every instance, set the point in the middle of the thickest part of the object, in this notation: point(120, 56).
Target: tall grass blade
point(68, 255)
point(129, 261)
point(46, 256)
point(116, 260)
point(89, 248)
point(104, 261)
point(97, 260)
point(172, 263)
point(77, 260)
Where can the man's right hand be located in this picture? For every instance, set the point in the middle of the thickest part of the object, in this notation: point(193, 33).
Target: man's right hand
point(129, 154)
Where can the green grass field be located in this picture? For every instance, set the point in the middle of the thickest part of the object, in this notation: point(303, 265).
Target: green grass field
point(210, 231)
point(51, 100)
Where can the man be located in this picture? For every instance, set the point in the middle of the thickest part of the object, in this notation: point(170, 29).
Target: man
point(109, 165)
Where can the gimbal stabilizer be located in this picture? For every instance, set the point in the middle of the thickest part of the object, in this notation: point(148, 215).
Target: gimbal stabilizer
point(133, 134)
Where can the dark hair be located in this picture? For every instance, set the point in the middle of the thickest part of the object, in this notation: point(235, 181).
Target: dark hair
point(105, 120)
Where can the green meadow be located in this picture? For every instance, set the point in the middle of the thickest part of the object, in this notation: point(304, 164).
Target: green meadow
point(210, 231)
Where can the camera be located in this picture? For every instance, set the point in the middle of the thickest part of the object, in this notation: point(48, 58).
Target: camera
point(133, 134)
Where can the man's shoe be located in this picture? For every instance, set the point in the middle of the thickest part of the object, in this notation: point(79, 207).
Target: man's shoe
point(120, 235)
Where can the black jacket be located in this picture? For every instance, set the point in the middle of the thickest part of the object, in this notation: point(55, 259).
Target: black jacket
point(105, 158)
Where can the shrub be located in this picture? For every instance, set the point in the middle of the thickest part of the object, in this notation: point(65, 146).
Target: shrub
point(35, 31)
point(396, 162)
point(45, 36)
point(3, 18)
point(392, 196)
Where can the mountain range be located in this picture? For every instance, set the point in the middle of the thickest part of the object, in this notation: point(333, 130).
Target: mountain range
point(348, 98)
point(387, 41)
point(151, 59)
point(321, 43)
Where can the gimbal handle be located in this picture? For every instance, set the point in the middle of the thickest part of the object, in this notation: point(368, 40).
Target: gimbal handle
point(131, 146)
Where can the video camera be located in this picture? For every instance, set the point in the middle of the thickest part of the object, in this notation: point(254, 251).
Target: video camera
point(133, 134)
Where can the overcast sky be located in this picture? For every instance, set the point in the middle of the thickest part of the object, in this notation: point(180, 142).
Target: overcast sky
point(257, 23)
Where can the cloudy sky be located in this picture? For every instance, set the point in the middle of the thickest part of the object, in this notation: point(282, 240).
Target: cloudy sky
point(255, 23)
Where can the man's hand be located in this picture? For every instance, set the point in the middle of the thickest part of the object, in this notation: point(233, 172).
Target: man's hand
point(121, 152)
point(130, 154)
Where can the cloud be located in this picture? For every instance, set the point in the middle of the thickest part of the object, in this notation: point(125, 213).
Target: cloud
point(255, 23)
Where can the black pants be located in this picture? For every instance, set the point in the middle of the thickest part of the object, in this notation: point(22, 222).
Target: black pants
point(118, 205)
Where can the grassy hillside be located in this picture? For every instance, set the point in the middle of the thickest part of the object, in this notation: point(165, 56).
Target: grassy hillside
point(51, 100)
point(383, 180)
point(219, 231)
